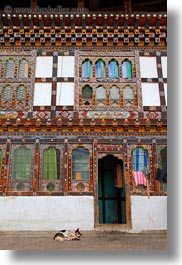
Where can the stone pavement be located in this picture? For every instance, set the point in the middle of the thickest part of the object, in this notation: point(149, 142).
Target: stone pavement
point(90, 240)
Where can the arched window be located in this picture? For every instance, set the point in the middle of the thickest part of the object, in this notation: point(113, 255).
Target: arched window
point(51, 164)
point(87, 68)
point(22, 160)
point(100, 69)
point(21, 93)
point(7, 93)
point(140, 159)
point(113, 69)
point(87, 92)
point(100, 93)
point(23, 69)
point(128, 93)
point(114, 93)
point(10, 68)
point(80, 164)
point(126, 69)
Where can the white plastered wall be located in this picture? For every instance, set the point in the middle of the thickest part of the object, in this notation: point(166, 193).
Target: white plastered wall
point(164, 66)
point(42, 94)
point(150, 94)
point(66, 66)
point(148, 213)
point(148, 67)
point(44, 66)
point(165, 92)
point(46, 213)
point(65, 94)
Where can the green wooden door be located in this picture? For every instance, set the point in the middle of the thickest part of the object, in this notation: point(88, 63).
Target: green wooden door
point(111, 198)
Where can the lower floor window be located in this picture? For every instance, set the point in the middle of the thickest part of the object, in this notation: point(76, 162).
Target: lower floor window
point(80, 164)
point(22, 160)
point(51, 164)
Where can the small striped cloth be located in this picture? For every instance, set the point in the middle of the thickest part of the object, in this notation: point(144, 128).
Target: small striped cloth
point(139, 178)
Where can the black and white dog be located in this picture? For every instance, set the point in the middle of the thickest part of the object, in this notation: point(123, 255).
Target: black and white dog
point(64, 235)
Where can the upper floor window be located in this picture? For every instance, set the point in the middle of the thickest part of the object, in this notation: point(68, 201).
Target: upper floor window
point(100, 69)
point(21, 93)
point(113, 69)
point(128, 93)
point(7, 93)
point(22, 160)
point(23, 69)
point(80, 164)
point(87, 92)
point(10, 69)
point(126, 69)
point(87, 68)
point(51, 164)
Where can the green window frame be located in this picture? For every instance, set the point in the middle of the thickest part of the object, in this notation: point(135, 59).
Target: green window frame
point(51, 163)
point(126, 69)
point(87, 92)
point(22, 162)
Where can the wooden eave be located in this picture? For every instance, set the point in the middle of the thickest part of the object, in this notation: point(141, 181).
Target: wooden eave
point(83, 125)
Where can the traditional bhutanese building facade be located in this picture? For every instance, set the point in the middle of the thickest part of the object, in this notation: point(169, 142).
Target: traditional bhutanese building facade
point(83, 118)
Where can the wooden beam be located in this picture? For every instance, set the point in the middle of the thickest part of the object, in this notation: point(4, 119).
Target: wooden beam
point(80, 3)
point(127, 6)
point(33, 4)
point(94, 4)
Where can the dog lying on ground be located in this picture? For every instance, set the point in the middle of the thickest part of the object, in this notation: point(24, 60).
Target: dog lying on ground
point(64, 235)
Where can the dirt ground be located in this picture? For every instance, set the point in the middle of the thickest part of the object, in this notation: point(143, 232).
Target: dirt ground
point(90, 240)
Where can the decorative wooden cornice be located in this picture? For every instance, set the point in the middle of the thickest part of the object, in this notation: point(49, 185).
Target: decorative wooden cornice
point(83, 29)
point(83, 125)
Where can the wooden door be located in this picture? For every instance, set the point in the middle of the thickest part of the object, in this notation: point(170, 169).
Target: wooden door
point(111, 192)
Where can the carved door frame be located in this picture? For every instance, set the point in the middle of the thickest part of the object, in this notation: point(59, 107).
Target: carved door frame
point(121, 156)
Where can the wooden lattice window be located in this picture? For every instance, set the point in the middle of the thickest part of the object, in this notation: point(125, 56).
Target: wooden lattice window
point(126, 69)
point(100, 93)
point(10, 68)
point(87, 92)
point(7, 93)
point(21, 166)
point(100, 69)
point(114, 93)
point(128, 93)
point(21, 93)
point(87, 68)
point(80, 164)
point(23, 69)
point(51, 164)
point(113, 69)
